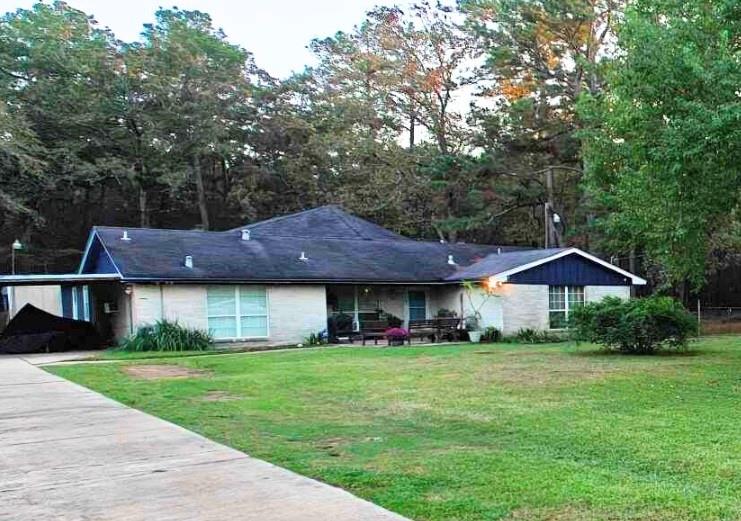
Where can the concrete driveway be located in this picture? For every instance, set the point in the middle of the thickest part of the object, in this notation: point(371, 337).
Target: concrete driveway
point(70, 454)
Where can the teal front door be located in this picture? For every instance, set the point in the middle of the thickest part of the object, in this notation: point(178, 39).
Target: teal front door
point(417, 305)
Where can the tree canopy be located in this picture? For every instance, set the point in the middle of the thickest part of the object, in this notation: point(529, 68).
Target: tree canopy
point(605, 124)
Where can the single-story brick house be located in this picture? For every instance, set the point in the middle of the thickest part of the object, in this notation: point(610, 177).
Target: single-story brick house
point(277, 281)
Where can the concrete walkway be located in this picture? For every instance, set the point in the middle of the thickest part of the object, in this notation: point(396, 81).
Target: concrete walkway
point(70, 454)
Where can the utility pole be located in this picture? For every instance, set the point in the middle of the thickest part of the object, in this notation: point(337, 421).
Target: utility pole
point(550, 236)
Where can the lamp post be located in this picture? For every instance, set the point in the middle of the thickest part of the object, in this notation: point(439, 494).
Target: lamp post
point(17, 246)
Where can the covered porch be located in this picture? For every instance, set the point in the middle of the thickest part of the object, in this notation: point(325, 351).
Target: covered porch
point(360, 311)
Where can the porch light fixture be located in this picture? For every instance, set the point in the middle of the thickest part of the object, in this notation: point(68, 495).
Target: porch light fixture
point(493, 283)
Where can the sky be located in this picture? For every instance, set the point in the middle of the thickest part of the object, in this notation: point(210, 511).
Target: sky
point(276, 32)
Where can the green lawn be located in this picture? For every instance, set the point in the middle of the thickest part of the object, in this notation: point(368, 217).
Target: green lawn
point(465, 432)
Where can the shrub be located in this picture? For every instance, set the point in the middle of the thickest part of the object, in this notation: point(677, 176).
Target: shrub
point(317, 339)
point(491, 334)
point(167, 336)
point(338, 325)
point(396, 332)
point(533, 336)
point(640, 326)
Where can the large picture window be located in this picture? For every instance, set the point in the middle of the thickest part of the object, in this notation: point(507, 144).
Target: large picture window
point(561, 300)
point(237, 312)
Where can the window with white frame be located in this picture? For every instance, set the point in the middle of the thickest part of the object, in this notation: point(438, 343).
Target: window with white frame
point(80, 303)
point(561, 300)
point(237, 312)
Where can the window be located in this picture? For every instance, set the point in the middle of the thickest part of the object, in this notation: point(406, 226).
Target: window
point(237, 312)
point(561, 300)
point(80, 296)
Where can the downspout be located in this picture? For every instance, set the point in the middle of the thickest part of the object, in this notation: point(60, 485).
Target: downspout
point(162, 303)
point(357, 313)
point(11, 302)
point(130, 292)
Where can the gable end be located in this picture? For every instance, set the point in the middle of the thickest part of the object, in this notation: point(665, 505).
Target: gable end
point(97, 259)
point(570, 270)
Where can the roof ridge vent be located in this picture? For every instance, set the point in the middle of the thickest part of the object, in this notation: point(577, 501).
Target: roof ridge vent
point(451, 260)
point(245, 235)
point(125, 236)
point(303, 257)
point(188, 261)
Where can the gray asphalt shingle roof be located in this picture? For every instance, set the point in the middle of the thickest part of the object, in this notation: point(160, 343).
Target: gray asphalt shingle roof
point(339, 247)
point(495, 263)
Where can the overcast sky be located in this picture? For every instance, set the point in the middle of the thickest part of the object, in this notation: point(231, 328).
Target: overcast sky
point(276, 32)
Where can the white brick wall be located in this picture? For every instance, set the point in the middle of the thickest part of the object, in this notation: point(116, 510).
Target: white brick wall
point(294, 311)
point(597, 293)
point(524, 306)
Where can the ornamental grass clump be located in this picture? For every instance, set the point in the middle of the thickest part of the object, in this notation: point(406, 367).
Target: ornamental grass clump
point(638, 326)
point(167, 336)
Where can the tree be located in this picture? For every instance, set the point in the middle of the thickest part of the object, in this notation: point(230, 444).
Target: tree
point(542, 56)
point(664, 141)
point(405, 76)
point(187, 100)
point(56, 74)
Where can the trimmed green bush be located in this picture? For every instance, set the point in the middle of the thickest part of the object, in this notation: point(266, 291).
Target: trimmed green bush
point(167, 336)
point(638, 326)
point(532, 336)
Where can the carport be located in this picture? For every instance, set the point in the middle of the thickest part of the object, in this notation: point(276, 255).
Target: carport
point(96, 298)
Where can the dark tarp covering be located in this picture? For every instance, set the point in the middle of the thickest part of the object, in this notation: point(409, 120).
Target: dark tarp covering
point(33, 330)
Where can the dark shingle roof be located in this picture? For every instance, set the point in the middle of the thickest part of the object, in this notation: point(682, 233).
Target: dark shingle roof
point(325, 222)
point(495, 263)
point(339, 247)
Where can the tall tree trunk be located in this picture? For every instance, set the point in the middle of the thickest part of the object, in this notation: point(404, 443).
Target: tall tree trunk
point(412, 123)
point(552, 233)
point(143, 211)
point(632, 269)
point(201, 190)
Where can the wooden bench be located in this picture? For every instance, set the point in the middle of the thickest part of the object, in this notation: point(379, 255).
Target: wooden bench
point(374, 329)
point(434, 329)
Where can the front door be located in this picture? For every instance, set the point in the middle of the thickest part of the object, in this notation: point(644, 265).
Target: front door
point(417, 305)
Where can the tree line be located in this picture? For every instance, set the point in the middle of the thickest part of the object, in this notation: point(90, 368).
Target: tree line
point(608, 126)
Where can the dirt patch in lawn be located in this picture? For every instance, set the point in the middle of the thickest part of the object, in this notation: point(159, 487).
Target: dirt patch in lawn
point(156, 372)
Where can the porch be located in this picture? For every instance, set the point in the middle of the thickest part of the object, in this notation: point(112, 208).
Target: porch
point(360, 312)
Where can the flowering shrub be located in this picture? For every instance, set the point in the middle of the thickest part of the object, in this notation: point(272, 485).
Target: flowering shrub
point(396, 332)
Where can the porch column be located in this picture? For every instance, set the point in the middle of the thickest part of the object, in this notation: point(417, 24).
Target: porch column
point(356, 311)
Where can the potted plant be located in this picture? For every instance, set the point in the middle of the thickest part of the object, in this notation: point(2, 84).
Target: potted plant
point(473, 328)
point(396, 336)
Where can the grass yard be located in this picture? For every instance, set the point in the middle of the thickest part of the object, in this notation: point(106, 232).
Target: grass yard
point(464, 432)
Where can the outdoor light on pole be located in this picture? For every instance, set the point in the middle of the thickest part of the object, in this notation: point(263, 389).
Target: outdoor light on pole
point(17, 246)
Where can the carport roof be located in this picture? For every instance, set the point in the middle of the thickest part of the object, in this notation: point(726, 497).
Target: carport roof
point(56, 278)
